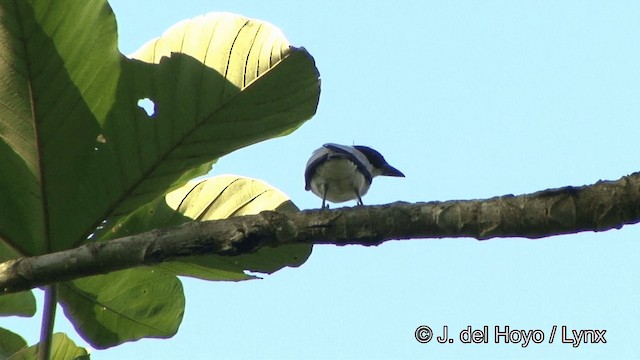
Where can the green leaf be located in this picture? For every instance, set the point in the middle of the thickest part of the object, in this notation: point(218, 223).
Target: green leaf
point(76, 149)
point(62, 348)
point(107, 310)
point(58, 63)
point(219, 197)
point(10, 343)
point(18, 304)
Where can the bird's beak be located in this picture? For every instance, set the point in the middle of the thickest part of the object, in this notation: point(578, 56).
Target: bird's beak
point(388, 170)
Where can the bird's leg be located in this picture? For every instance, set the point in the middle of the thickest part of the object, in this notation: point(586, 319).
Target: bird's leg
point(359, 203)
point(324, 196)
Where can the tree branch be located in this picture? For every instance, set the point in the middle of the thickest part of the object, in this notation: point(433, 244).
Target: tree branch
point(602, 206)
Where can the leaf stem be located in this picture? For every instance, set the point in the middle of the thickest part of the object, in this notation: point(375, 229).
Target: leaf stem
point(48, 320)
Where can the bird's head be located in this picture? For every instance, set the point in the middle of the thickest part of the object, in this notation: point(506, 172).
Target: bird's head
point(377, 161)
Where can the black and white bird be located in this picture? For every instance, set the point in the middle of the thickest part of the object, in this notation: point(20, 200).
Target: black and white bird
point(340, 173)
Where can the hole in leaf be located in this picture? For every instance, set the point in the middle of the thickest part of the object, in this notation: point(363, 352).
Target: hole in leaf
point(148, 106)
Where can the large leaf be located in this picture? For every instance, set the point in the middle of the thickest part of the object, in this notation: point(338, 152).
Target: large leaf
point(59, 65)
point(75, 148)
point(127, 305)
point(62, 348)
point(254, 86)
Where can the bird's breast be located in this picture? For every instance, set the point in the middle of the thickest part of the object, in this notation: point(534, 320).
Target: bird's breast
point(341, 178)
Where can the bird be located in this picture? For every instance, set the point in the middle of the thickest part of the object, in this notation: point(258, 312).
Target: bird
point(340, 173)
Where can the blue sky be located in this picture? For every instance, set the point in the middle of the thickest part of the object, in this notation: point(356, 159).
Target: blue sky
point(470, 99)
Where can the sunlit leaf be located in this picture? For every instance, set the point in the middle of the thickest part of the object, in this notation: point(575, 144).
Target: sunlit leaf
point(253, 86)
point(62, 348)
point(219, 197)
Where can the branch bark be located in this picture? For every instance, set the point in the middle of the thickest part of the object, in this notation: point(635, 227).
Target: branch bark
point(602, 206)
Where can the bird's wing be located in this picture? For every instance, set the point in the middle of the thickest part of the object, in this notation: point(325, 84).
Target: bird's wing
point(318, 157)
